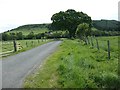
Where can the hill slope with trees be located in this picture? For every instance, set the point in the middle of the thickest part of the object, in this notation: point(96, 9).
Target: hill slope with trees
point(107, 25)
point(36, 31)
point(30, 26)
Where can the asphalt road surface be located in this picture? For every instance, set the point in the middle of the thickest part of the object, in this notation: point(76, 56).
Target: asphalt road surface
point(16, 68)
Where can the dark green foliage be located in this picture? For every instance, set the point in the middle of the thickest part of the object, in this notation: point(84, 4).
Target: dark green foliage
point(5, 36)
point(42, 34)
point(106, 80)
point(30, 35)
point(83, 31)
point(107, 25)
point(54, 34)
point(12, 36)
point(105, 33)
point(69, 20)
point(66, 21)
point(19, 36)
point(38, 36)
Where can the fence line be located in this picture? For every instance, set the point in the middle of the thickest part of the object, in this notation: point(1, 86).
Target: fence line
point(98, 46)
point(6, 53)
point(108, 43)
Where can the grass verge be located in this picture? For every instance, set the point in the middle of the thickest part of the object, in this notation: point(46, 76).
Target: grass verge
point(76, 65)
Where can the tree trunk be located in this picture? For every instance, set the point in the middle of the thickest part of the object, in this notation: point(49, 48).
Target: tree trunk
point(71, 33)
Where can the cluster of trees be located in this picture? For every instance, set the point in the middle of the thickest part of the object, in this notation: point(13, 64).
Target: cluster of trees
point(75, 24)
point(107, 25)
point(31, 35)
point(56, 34)
point(105, 33)
point(11, 36)
point(79, 24)
point(83, 31)
point(17, 36)
point(69, 20)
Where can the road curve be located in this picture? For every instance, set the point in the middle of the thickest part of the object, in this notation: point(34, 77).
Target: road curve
point(15, 68)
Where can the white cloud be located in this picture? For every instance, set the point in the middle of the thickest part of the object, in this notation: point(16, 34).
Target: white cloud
point(19, 12)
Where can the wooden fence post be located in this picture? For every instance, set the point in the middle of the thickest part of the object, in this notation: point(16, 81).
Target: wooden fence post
point(15, 46)
point(26, 44)
point(108, 43)
point(32, 43)
point(97, 44)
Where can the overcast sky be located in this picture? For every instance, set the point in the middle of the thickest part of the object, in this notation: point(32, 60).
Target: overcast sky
point(14, 13)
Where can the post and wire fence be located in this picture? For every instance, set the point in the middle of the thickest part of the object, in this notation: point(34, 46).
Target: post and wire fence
point(9, 47)
point(101, 44)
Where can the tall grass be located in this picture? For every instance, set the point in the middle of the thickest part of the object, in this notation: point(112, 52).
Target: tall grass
point(22, 45)
point(83, 67)
point(76, 65)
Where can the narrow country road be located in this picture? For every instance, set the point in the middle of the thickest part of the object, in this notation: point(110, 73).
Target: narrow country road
point(15, 68)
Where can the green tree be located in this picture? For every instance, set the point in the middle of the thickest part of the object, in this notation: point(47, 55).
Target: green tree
point(13, 36)
point(5, 37)
point(83, 31)
point(19, 36)
point(69, 20)
point(31, 35)
point(38, 36)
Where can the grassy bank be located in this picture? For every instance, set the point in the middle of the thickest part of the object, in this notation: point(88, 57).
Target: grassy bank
point(75, 65)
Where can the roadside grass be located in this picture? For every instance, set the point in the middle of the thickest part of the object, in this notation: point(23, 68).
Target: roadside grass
point(6, 46)
point(113, 43)
point(103, 45)
point(22, 45)
point(46, 75)
point(76, 65)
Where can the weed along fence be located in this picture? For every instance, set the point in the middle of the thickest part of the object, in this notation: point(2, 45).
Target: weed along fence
point(6, 53)
point(101, 45)
point(9, 47)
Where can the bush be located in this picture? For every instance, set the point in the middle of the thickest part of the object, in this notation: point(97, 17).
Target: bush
point(107, 80)
point(31, 35)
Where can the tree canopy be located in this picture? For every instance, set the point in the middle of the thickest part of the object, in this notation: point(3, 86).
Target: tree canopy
point(83, 30)
point(69, 20)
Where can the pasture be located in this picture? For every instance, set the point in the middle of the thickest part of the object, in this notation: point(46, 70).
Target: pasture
point(22, 45)
point(76, 65)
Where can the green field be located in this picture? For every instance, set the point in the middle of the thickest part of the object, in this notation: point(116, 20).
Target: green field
point(22, 45)
point(75, 65)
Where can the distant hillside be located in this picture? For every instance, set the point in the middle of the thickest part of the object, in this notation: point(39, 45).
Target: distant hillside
point(103, 25)
point(37, 31)
point(107, 25)
point(31, 26)
point(26, 29)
